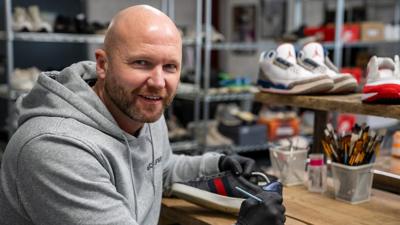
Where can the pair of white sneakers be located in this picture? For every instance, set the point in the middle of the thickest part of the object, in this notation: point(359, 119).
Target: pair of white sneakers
point(29, 20)
point(309, 72)
point(383, 80)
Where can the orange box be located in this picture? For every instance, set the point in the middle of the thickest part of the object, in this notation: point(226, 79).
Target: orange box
point(372, 31)
point(280, 128)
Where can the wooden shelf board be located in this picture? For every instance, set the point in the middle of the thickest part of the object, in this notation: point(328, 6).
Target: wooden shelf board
point(350, 103)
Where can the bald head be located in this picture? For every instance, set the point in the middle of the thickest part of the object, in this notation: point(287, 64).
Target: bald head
point(139, 23)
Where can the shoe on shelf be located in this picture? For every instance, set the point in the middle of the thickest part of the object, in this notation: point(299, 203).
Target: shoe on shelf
point(226, 114)
point(383, 81)
point(216, 36)
point(176, 132)
point(38, 24)
point(24, 79)
point(64, 24)
point(280, 73)
point(219, 192)
point(214, 137)
point(314, 59)
point(21, 22)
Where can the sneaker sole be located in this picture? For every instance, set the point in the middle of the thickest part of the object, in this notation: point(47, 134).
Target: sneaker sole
point(345, 86)
point(316, 87)
point(385, 93)
point(207, 199)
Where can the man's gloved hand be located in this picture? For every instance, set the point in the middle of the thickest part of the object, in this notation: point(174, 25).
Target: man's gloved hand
point(270, 211)
point(237, 164)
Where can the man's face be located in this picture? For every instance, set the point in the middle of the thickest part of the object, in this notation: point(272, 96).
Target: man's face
point(142, 77)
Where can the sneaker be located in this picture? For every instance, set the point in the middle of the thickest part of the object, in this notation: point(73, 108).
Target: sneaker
point(21, 22)
point(383, 81)
point(38, 24)
point(219, 192)
point(279, 73)
point(226, 114)
point(24, 79)
point(314, 59)
point(216, 36)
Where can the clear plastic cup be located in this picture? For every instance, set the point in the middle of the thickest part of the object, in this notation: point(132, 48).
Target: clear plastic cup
point(352, 184)
point(289, 166)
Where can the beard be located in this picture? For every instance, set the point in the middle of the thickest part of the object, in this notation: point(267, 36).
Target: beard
point(126, 101)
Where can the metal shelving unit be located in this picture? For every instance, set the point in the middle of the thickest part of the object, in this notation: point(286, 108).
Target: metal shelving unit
point(65, 38)
point(203, 50)
point(10, 37)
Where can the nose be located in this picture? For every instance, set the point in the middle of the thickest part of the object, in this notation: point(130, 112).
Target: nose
point(157, 79)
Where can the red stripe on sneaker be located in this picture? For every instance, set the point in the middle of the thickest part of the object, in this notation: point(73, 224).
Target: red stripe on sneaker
point(220, 187)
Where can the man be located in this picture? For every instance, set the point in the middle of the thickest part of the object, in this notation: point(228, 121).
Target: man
point(100, 154)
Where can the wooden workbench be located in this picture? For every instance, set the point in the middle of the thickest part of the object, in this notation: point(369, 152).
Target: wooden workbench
point(302, 207)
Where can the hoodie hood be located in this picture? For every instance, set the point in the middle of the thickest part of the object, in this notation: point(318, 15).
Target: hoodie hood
point(67, 94)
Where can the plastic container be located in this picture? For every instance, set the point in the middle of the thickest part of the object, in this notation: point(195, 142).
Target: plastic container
point(289, 166)
point(316, 173)
point(396, 145)
point(352, 184)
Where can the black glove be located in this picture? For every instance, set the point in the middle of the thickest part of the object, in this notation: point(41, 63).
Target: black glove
point(237, 164)
point(270, 211)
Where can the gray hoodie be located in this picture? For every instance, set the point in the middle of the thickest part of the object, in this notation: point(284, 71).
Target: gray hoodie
point(70, 163)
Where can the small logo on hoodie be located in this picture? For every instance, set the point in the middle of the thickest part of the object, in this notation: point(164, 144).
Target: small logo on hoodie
point(151, 165)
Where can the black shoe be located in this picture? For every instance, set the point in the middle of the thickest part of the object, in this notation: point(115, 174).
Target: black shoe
point(220, 192)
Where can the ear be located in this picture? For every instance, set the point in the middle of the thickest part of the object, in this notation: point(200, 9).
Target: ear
point(101, 63)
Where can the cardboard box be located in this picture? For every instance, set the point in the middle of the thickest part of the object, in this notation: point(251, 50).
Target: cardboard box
point(372, 31)
point(280, 128)
point(245, 134)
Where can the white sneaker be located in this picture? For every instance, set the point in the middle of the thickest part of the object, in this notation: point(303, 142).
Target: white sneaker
point(383, 81)
point(279, 73)
point(313, 58)
point(24, 79)
point(216, 36)
point(38, 24)
point(21, 22)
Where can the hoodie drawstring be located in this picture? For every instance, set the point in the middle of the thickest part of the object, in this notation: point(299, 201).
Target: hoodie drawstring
point(131, 171)
point(152, 154)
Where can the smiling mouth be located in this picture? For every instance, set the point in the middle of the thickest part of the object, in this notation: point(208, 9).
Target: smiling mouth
point(151, 97)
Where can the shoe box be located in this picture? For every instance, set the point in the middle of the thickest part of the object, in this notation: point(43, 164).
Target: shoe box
point(280, 128)
point(372, 31)
point(350, 32)
point(244, 134)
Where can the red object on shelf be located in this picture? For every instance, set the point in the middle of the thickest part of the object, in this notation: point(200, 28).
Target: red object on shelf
point(355, 71)
point(350, 32)
point(345, 122)
point(310, 31)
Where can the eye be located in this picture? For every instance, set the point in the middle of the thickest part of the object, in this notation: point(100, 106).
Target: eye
point(141, 63)
point(172, 68)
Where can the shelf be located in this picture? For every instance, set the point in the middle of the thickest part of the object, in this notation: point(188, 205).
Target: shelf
point(183, 146)
point(56, 37)
point(239, 148)
point(238, 46)
point(265, 46)
point(13, 95)
point(216, 97)
point(359, 44)
point(64, 38)
point(340, 103)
